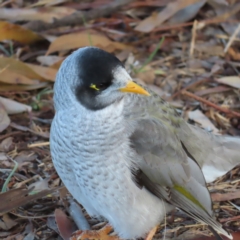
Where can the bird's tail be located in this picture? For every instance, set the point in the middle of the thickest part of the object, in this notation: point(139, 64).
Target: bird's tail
point(215, 154)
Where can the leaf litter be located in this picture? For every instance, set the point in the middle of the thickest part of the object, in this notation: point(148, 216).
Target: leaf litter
point(196, 68)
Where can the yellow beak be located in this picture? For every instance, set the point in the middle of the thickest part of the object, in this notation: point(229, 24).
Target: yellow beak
point(132, 87)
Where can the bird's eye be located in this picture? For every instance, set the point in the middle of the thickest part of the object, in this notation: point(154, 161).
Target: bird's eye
point(100, 86)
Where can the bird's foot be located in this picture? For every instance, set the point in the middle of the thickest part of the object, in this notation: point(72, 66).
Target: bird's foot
point(151, 233)
point(101, 234)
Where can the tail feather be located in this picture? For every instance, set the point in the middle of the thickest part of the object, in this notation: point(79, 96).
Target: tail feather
point(215, 154)
point(198, 214)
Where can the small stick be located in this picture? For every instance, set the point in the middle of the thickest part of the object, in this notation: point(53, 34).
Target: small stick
point(232, 38)
point(200, 99)
point(194, 84)
point(194, 34)
point(38, 144)
point(230, 219)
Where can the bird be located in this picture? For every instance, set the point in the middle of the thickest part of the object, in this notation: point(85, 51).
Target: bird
point(124, 153)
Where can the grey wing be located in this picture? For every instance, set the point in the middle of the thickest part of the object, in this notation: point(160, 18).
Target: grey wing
point(167, 169)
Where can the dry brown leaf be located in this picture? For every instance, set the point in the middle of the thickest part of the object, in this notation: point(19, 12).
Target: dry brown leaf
point(147, 75)
point(39, 185)
point(235, 55)
point(221, 2)
point(65, 226)
point(29, 232)
point(233, 81)
point(149, 23)
point(7, 223)
point(17, 197)
point(7, 87)
point(49, 60)
point(6, 144)
point(11, 77)
point(187, 13)
point(77, 40)
point(42, 14)
point(149, 3)
point(57, 64)
point(13, 107)
point(200, 118)
point(4, 119)
point(9, 31)
point(217, 89)
point(226, 13)
point(34, 131)
point(15, 71)
point(19, 67)
point(45, 72)
point(3, 156)
point(48, 3)
point(23, 157)
point(209, 49)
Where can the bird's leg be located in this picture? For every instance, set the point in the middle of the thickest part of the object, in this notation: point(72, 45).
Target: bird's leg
point(151, 233)
point(101, 234)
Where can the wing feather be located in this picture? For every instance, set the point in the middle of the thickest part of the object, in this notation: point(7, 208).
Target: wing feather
point(168, 170)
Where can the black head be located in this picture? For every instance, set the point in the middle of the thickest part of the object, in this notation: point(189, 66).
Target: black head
point(92, 78)
point(96, 74)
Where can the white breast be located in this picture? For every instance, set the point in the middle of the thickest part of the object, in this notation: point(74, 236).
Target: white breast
point(91, 154)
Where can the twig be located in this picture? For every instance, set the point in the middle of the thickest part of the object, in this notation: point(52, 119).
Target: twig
point(232, 38)
point(194, 84)
point(77, 17)
point(218, 197)
point(200, 99)
point(38, 144)
point(194, 33)
point(230, 219)
point(174, 230)
point(31, 217)
point(10, 134)
point(8, 201)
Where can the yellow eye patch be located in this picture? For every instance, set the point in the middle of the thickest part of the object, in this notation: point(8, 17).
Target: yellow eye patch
point(93, 86)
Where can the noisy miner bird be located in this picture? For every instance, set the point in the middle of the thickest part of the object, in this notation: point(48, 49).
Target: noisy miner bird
point(123, 152)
